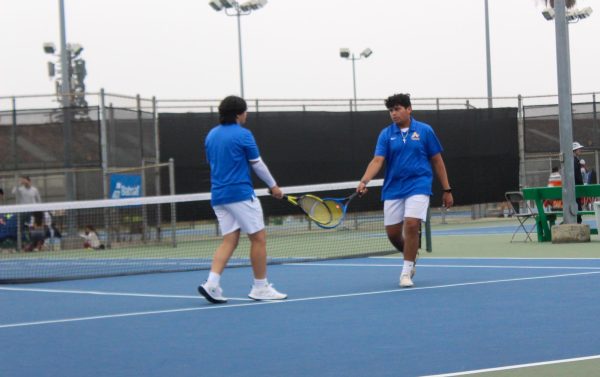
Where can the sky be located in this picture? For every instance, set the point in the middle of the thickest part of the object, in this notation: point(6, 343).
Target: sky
point(183, 49)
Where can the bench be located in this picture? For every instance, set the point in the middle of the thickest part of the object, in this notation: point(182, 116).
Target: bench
point(546, 219)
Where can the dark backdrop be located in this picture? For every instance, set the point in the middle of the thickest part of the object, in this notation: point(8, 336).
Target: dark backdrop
point(480, 149)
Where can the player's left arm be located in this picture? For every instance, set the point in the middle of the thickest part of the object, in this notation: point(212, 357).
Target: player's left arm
point(437, 162)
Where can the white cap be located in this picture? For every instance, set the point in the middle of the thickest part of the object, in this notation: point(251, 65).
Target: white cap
point(582, 161)
point(576, 146)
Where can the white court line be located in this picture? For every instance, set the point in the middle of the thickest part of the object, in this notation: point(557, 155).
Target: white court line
point(215, 307)
point(494, 258)
point(440, 265)
point(104, 293)
point(542, 363)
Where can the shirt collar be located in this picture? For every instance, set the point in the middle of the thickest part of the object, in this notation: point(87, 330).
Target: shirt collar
point(411, 126)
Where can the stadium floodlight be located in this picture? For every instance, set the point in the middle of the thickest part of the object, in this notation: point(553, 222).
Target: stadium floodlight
point(233, 8)
point(548, 13)
point(573, 15)
point(228, 4)
point(583, 13)
point(75, 49)
point(216, 5)
point(49, 48)
point(260, 3)
point(51, 70)
point(345, 53)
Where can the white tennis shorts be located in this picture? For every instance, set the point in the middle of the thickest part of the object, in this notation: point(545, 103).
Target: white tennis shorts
point(394, 211)
point(246, 215)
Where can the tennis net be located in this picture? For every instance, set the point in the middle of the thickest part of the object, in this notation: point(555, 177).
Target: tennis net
point(173, 233)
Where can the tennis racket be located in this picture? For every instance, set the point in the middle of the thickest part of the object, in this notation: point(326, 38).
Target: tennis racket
point(337, 207)
point(313, 207)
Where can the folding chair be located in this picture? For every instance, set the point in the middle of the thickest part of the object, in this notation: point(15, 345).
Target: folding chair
point(514, 199)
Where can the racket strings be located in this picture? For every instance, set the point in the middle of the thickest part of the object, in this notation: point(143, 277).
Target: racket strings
point(316, 209)
point(337, 211)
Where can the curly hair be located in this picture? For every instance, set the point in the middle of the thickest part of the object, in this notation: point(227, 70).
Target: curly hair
point(398, 99)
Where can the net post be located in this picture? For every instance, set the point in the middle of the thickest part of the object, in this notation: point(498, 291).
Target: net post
point(428, 245)
point(144, 207)
point(173, 206)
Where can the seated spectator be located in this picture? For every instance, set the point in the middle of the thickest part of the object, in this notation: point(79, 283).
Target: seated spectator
point(8, 227)
point(37, 232)
point(554, 180)
point(91, 239)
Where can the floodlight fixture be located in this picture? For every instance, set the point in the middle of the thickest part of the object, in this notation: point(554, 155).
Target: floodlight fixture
point(260, 3)
point(345, 53)
point(227, 3)
point(51, 69)
point(548, 13)
point(75, 49)
point(573, 15)
point(49, 48)
point(366, 52)
point(584, 13)
point(215, 4)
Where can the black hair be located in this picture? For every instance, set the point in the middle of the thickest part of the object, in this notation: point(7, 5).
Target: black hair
point(230, 108)
point(398, 99)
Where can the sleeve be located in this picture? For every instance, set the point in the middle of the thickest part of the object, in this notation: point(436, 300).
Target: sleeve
point(382, 144)
point(250, 147)
point(433, 144)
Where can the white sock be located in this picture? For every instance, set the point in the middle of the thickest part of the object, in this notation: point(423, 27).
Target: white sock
point(259, 283)
point(407, 267)
point(213, 279)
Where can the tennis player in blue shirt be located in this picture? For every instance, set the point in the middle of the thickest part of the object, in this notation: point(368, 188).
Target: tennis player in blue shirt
point(410, 150)
point(231, 150)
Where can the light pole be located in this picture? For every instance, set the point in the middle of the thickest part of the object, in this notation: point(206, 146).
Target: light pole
point(346, 54)
point(233, 8)
point(74, 73)
point(562, 18)
point(488, 55)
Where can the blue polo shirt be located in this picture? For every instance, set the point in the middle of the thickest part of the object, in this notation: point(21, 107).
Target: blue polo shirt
point(229, 148)
point(408, 169)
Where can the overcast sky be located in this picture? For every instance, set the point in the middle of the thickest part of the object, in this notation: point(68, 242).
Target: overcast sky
point(184, 49)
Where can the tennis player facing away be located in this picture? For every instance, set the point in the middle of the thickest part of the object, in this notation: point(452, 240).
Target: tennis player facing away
point(410, 150)
point(230, 151)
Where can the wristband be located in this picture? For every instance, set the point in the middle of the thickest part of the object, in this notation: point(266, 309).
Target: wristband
point(449, 190)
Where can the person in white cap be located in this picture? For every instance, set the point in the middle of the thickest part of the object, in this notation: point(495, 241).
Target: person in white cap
point(577, 173)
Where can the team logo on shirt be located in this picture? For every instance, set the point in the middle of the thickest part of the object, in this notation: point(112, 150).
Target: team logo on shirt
point(415, 136)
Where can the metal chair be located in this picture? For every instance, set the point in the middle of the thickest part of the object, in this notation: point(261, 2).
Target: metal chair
point(515, 200)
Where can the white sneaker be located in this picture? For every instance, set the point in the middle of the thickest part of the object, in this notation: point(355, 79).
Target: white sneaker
point(266, 293)
point(406, 281)
point(213, 294)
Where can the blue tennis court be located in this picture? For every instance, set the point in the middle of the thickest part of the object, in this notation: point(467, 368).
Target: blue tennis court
point(343, 317)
